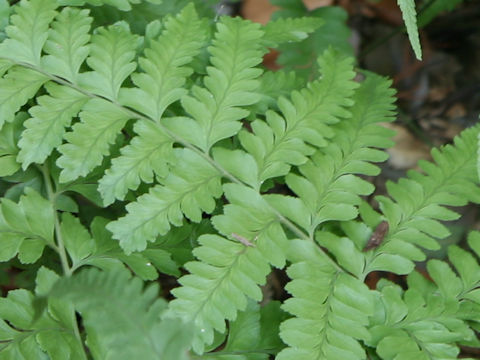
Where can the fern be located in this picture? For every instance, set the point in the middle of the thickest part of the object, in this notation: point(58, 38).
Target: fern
point(166, 149)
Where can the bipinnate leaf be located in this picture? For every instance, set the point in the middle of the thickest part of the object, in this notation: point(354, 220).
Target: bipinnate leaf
point(410, 18)
point(112, 51)
point(228, 271)
point(331, 308)
point(113, 300)
point(26, 227)
point(90, 139)
point(164, 65)
point(287, 139)
point(231, 83)
point(328, 187)
point(45, 129)
point(420, 200)
point(28, 31)
point(145, 157)
point(189, 189)
point(18, 86)
point(67, 44)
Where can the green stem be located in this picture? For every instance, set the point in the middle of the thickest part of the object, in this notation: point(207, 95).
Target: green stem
point(58, 234)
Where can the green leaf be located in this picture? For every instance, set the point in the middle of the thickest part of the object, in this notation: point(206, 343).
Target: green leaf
point(112, 50)
point(31, 336)
point(76, 238)
point(23, 228)
point(44, 131)
point(16, 88)
point(228, 271)
point(28, 31)
point(147, 155)
point(290, 29)
point(410, 18)
point(66, 45)
point(130, 308)
point(189, 189)
point(90, 139)
point(331, 309)
point(230, 83)
point(305, 121)
point(164, 64)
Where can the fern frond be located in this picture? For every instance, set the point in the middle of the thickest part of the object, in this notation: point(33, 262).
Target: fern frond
point(23, 229)
point(29, 336)
point(44, 131)
point(67, 44)
point(160, 85)
point(112, 51)
point(28, 31)
point(331, 308)
point(227, 271)
point(427, 320)
point(190, 188)
point(290, 29)
point(419, 201)
point(16, 88)
point(147, 155)
point(90, 140)
point(231, 83)
point(281, 141)
point(165, 65)
point(109, 301)
point(328, 187)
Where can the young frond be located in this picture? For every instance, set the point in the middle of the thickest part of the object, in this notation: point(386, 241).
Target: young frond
point(112, 51)
point(230, 84)
point(18, 86)
point(66, 45)
point(28, 31)
point(90, 139)
point(189, 189)
point(229, 271)
point(45, 129)
point(146, 156)
point(331, 309)
point(285, 140)
point(419, 201)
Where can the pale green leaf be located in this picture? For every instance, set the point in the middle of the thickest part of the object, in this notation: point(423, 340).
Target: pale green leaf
point(66, 45)
point(147, 155)
point(45, 130)
point(189, 189)
point(16, 88)
point(111, 53)
point(28, 31)
point(164, 64)
point(90, 140)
